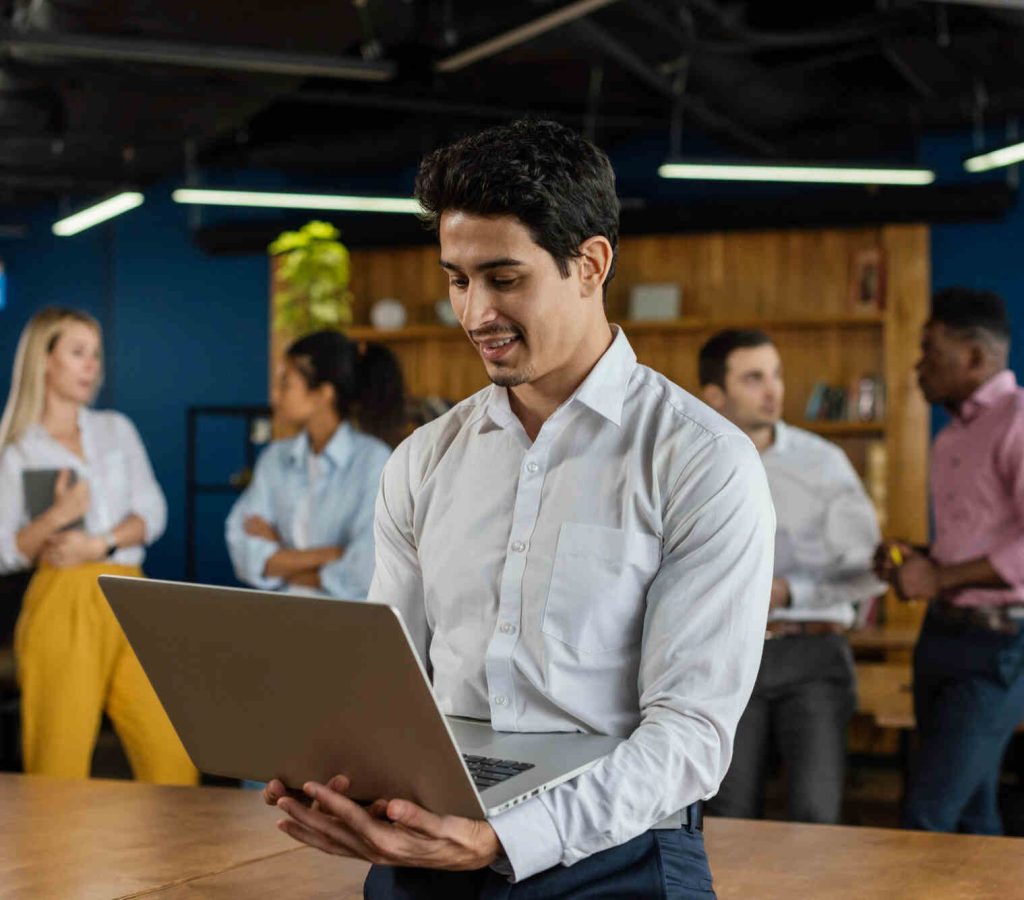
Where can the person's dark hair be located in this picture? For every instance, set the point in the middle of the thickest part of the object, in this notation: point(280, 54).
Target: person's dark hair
point(367, 380)
point(714, 355)
point(553, 180)
point(973, 314)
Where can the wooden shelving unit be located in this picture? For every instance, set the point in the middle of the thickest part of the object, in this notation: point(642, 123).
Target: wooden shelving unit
point(793, 284)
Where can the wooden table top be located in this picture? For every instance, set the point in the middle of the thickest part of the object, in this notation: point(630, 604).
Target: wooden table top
point(106, 839)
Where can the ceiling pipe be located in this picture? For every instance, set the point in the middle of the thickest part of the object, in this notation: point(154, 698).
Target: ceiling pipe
point(242, 59)
point(632, 62)
point(432, 106)
point(520, 35)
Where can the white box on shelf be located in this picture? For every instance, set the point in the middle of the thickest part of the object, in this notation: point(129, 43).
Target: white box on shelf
point(655, 302)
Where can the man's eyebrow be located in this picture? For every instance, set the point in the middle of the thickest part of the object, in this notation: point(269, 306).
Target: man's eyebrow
point(501, 263)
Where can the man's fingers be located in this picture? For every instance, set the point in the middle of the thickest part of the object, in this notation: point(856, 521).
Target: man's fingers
point(414, 817)
point(314, 838)
point(333, 828)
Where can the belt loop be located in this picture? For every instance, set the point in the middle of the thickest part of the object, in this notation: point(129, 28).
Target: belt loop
point(695, 816)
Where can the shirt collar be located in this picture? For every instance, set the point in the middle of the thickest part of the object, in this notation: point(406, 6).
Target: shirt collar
point(990, 393)
point(603, 390)
point(339, 448)
point(781, 439)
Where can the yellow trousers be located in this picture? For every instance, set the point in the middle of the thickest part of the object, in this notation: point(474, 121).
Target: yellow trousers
point(74, 663)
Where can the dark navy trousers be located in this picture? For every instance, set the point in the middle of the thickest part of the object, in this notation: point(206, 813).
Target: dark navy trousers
point(669, 864)
point(968, 700)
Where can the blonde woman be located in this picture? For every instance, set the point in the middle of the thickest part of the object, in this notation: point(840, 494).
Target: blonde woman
point(74, 662)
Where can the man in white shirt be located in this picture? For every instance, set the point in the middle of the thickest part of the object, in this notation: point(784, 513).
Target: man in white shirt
point(827, 531)
point(582, 546)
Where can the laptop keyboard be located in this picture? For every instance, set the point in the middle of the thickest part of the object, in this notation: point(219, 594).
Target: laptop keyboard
point(487, 772)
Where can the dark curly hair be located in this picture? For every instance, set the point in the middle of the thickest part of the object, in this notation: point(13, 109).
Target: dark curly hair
point(969, 312)
point(553, 180)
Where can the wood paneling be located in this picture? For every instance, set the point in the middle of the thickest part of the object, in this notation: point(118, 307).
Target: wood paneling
point(795, 284)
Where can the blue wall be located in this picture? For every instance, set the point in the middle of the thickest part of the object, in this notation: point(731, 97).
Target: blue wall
point(182, 329)
point(186, 329)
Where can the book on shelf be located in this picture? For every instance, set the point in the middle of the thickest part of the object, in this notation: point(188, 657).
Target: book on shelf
point(863, 400)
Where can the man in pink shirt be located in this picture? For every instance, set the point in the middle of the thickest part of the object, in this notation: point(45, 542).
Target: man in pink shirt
point(969, 660)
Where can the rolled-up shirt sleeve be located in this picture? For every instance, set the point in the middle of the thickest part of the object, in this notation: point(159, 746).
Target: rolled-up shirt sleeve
point(349, 578)
point(703, 635)
point(147, 498)
point(249, 554)
point(850, 536)
point(13, 516)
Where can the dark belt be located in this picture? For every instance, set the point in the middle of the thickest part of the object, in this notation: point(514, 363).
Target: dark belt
point(999, 619)
point(782, 628)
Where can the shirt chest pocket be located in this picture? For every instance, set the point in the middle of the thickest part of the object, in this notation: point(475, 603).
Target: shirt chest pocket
point(599, 581)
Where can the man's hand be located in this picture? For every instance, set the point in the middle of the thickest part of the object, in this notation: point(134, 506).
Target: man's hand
point(889, 556)
point(388, 833)
point(72, 548)
point(918, 579)
point(781, 596)
point(257, 526)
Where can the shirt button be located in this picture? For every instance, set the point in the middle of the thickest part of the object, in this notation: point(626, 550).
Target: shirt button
point(518, 546)
point(501, 700)
point(532, 467)
point(508, 628)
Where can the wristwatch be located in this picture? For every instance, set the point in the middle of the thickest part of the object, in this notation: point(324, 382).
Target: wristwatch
point(111, 542)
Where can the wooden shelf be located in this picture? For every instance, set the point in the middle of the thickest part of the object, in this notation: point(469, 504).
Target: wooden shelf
point(844, 429)
point(673, 326)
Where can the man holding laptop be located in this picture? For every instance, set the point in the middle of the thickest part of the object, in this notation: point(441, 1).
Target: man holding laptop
point(580, 547)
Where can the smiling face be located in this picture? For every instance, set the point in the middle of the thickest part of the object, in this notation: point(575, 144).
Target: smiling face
point(528, 323)
point(74, 365)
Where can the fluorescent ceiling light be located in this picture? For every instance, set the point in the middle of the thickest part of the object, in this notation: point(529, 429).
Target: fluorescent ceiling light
point(99, 212)
point(296, 201)
point(793, 172)
point(1004, 156)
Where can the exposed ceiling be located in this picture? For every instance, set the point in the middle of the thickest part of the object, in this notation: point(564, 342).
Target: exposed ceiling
point(95, 94)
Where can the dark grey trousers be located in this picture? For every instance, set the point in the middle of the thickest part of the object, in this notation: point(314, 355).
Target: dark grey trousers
point(803, 699)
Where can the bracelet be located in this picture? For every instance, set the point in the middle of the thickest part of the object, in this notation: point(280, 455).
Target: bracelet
point(111, 542)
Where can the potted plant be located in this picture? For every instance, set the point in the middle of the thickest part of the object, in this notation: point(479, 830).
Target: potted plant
point(310, 277)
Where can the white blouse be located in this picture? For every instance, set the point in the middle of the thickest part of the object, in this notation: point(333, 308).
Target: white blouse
point(121, 483)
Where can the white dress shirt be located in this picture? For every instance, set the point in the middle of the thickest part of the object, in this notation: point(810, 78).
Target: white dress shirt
point(116, 466)
point(611, 577)
point(827, 528)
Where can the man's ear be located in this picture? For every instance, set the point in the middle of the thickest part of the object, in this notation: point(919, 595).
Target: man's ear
point(595, 262)
point(714, 396)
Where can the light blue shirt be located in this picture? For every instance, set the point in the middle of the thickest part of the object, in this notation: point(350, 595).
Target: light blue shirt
point(340, 511)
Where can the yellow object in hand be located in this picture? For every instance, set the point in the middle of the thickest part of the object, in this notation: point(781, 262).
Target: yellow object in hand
point(895, 555)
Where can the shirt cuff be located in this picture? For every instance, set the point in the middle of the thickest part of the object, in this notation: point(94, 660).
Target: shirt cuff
point(529, 838)
point(11, 558)
point(256, 554)
point(802, 591)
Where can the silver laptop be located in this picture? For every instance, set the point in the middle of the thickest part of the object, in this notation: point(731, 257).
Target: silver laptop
point(263, 685)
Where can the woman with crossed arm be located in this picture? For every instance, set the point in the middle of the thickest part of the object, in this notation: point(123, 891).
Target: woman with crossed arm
point(305, 523)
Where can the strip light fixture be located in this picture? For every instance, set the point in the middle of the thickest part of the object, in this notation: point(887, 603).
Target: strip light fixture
point(797, 172)
point(98, 212)
point(994, 159)
point(208, 197)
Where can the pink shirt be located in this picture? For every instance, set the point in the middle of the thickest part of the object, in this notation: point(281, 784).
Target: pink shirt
point(977, 486)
